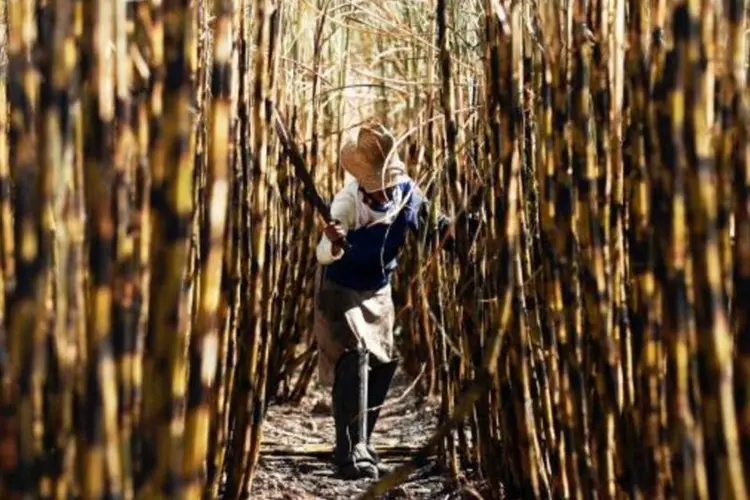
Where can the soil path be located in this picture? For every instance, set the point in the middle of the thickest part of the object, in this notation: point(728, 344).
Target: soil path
point(405, 421)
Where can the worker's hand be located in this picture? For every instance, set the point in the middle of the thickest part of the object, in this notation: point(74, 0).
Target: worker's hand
point(336, 234)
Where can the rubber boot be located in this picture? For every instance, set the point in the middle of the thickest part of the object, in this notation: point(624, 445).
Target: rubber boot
point(379, 384)
point(352, 458)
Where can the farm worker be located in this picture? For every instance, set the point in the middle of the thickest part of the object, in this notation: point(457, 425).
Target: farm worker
point(353, 303)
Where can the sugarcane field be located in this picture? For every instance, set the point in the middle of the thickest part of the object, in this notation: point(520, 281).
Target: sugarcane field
point(374, 249)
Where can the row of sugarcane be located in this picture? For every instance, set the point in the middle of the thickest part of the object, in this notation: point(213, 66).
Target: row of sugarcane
point(143, 218)
point(613, 145)
point(156, 251)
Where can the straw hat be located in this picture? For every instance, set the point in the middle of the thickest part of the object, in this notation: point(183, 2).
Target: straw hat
point(372, 159)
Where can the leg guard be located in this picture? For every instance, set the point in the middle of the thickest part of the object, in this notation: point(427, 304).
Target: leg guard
point(379, 384)
point(352, 457)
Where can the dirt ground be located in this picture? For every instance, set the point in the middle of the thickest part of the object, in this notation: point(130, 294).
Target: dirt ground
point(405, 421)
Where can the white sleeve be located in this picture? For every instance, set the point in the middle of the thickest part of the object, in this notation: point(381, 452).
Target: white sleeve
point(343, 210)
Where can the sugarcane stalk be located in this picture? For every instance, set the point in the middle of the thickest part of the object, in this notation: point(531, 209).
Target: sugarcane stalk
point(101, 456)
point(125, 302)
point(724, 472)
point(741, 251)
point(58, 137)
point(172, 195)
point(204, 345)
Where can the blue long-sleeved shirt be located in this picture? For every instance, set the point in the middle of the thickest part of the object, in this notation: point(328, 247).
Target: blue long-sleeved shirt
point(375, 234)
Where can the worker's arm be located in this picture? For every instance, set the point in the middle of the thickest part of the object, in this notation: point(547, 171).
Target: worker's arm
point(445, 227)
point(422, 223)
point(441, 228)
point(344, 213)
